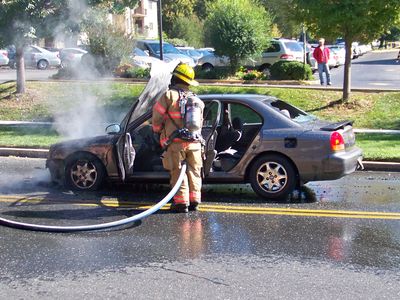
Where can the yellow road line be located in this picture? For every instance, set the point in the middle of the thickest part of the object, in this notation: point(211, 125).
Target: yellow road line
point(237, 209)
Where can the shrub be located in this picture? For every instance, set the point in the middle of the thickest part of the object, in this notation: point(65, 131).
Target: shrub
point(246, 74)
point(215, 73)
point(138, 73)
point(290, 70)
point(238, 29)
point(107, 44)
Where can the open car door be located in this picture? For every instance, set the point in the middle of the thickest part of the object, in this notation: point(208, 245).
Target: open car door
point(211, 117)
point(160, 78)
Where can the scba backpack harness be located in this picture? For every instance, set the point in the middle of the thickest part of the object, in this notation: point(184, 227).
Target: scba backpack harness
point(192, 114)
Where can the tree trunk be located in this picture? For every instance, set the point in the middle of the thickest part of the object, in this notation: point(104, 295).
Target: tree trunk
point(19, 57)
point(347, 71)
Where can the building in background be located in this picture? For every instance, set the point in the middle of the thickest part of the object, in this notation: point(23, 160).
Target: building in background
point(138, 22)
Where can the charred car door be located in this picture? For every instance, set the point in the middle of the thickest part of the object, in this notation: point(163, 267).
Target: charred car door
point(211, 117)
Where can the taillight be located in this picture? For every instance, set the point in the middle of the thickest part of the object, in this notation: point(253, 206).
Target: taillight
point(287, 56)
point(337, 141)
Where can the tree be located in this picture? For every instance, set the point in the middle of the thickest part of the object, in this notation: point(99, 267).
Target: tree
point(174, 9)
point(287, 25)
point(353, 20)
point(190, 29)
point(238, 29)
point(22, 20)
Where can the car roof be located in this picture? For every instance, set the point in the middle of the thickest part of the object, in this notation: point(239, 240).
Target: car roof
point(239, 97)
point(152, 41)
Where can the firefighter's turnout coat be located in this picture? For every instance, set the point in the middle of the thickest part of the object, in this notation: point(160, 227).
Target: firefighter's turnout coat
point(166, 118)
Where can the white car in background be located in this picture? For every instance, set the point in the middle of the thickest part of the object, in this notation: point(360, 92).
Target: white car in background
point(339, 52)
point(41, 58)
point(71, 56)
point(4, 57)
point(279, 49)
point(170, 53)
point(141, 59)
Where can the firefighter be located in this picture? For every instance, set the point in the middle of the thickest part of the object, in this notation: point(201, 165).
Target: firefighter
point(179, 132)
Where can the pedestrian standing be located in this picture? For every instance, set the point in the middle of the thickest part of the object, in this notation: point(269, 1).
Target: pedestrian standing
point(178, 119)
point(321, 55)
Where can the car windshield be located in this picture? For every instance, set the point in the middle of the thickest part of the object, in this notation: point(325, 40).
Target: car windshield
point(293, 46)
point(167, 48)
point(292, 112)
point(139, 52)
point(194, 53)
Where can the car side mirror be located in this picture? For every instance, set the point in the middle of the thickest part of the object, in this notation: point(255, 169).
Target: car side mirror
point(147, 52)
point(113, 129)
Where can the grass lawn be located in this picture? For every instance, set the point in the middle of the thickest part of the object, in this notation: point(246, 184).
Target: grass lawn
point(45, 100)
point(379, 147)
point(27, 137)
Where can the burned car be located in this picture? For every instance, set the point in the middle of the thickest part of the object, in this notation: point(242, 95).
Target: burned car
point(254, 139)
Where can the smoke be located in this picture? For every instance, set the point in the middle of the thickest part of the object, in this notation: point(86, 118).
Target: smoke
point(82, 113)
point(82, 116)
point(22, 176)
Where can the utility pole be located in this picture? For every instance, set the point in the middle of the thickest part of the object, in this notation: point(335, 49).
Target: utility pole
point(304, 44)
point(160, 30)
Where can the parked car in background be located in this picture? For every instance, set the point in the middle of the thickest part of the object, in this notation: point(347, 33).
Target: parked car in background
point(339, 52)
point(41, 58)
point(141, 59)
point(280, 49)
point(191, 52)
point(170, 53)
point(71, 56)
point(211, 60)
point(4, 57)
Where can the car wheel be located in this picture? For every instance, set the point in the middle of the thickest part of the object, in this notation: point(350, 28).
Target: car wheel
point(42, 64)
point(207, 67)
point(84, 172)
point(273, 177)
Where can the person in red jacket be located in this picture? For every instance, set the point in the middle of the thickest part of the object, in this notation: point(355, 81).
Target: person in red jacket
point(321, 55)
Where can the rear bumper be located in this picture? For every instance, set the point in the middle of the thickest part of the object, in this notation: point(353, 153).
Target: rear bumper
point(340, 164)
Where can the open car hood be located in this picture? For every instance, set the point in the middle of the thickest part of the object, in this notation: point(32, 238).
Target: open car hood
point(160, 78)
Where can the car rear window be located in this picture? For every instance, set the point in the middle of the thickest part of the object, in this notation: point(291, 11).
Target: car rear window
point(292, 112)
point(293, 46)
point(274, 47)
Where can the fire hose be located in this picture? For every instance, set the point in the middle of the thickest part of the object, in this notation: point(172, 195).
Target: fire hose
point(135, 218)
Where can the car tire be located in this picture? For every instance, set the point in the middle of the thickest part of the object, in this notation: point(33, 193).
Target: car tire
point(207, 67)
point(42, 64)
point(273, 177)
point(84, 172)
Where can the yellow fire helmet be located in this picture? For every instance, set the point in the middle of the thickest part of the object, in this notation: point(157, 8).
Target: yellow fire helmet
point(186, 73)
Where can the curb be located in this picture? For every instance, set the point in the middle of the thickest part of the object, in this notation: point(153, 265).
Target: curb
point(42, 153)
point(23, 152)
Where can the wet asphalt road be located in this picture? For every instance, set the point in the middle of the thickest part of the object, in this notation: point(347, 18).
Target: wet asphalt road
point(340, 240)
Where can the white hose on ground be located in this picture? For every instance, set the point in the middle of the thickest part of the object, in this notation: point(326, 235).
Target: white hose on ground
point(142, 215)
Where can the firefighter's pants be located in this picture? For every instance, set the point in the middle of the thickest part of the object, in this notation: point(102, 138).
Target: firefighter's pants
point(190, 190)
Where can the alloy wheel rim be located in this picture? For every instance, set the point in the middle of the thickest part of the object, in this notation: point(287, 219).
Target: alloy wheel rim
point(272, 177)
point(84, 174)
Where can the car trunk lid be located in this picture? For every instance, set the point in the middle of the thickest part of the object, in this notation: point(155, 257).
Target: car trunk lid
point(345, 128)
